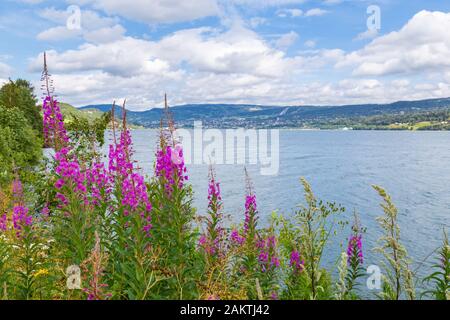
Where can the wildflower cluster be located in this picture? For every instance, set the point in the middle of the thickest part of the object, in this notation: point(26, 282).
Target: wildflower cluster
point(170, 167)
point(212, 242)
point(55, 134)
point(236, 238)
point(296, 262)
point(20, 217)
point(267, 257)
point(251, 217)
point(133, 196)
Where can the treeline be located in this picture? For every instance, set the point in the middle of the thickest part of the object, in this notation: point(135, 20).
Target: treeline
point(438, 119)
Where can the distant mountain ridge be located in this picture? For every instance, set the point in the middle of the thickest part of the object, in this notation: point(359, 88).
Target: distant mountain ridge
point(248, 115)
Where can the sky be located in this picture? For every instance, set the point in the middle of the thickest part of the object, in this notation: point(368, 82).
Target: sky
point(269, 52)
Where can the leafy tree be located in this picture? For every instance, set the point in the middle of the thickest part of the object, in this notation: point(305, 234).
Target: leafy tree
point(20, 94)
point(19, 146)
point(87, 135)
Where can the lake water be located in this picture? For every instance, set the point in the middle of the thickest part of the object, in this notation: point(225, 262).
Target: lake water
point(341, 166)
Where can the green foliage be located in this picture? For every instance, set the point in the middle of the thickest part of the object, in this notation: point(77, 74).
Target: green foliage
point(131, 272)
point(172, 219)
point(28, 252)
point(19, 94)
point(87, 134)
point(20, 148)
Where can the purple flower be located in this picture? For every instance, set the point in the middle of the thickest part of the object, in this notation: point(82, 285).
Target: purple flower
point(20, 217)
point(267, 258)
point(296, 261)
point(3, 222)
point(59, 184)
point(202, 241)
point(55, 134)
point(170, 168)
point(45, 211)
point(212, 241)
point(250, 212)
point(121, 173)
point(236, 238)
point(354, 248)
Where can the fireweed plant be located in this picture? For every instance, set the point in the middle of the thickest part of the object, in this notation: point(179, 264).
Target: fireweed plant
point(355, 258)
point(129, 237)
point(214, 247)
point(174, 233)
point(351, 264)
point(128, 223)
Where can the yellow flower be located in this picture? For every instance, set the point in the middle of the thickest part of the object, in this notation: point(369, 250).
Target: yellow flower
point(41, 272)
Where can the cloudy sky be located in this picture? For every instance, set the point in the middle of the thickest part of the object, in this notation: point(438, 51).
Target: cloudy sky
point(275, 52)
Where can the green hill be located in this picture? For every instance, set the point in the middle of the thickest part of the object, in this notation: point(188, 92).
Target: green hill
point(69, 111)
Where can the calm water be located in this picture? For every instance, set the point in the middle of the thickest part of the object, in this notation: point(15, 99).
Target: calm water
point(341, 166)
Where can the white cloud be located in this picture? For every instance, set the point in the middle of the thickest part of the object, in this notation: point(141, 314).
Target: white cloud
point(104, 35)
point(58, 34)
point(237, 59)
point(156, 11)
point(89, 19)
point(286, 40)
point(126, 57)
point(94, 28)
point(315, 12)
point(400, 83)
point(237, 50)
point(235, 64)
point(422, 45)
point(294, 13)
point(368, 34)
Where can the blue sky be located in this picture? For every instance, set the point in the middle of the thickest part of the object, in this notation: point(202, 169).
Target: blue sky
point(279, 52)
